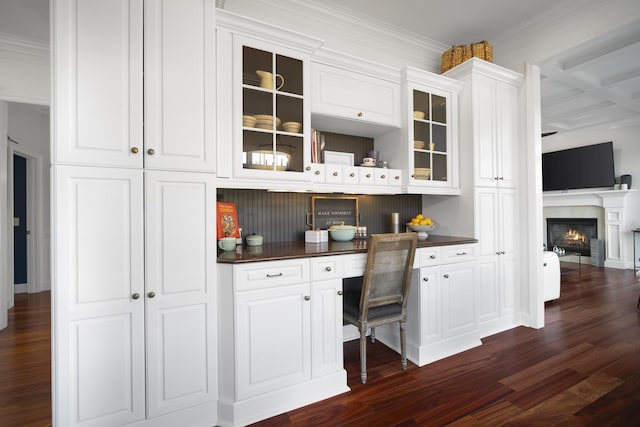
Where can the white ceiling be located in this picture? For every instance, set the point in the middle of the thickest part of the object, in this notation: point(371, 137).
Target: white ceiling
point(596, 82)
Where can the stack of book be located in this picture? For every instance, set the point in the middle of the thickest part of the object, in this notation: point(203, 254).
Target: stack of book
point(317, 146)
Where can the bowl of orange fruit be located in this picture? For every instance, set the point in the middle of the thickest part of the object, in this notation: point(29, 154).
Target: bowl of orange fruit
point(421, 224)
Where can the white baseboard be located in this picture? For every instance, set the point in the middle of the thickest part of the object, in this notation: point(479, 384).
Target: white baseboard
point(20, 288)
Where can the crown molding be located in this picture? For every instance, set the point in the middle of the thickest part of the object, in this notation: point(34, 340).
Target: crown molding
point(24, 46)
point(352, 27)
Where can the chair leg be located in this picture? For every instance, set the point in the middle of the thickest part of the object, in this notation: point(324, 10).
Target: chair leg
point(403, 345)
point(373, 335)
point(363, 356)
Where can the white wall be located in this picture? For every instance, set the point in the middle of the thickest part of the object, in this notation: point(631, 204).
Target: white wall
point(626, 157)
point(29, 125)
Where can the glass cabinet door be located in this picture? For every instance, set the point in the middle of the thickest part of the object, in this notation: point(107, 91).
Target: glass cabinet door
point(273, 112)
point(430, 143)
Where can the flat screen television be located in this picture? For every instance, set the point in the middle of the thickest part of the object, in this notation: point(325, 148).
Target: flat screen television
point(590, 166)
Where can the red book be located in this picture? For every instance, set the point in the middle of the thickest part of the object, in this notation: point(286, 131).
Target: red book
point(227, 220)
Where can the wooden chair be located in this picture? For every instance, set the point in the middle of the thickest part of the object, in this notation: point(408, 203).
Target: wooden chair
point(382, 297)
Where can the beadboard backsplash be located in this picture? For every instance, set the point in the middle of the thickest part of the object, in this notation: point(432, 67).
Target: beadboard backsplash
point(282, 217)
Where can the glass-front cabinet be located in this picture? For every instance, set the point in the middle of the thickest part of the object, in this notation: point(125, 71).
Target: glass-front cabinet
point(263, 107)
point(273, 111)
point(431, 142)
point(427, 144)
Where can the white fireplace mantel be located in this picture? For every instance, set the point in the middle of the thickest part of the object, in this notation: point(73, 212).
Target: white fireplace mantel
point(613, 203)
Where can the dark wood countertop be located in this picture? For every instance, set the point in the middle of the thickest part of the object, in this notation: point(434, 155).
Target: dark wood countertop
point(290, 250)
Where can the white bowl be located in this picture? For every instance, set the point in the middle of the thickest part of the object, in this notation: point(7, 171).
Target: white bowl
point(421, 228)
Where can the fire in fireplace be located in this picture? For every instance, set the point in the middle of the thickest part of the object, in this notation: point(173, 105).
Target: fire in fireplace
point(572, 234)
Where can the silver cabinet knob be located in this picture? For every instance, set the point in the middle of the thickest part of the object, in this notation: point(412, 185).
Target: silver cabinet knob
point(151, 151)
point(308, 168)
point(307, 297)
point(352, 174)
point(151, 294)
point(432, 257)
point(317, 172)
point(135, 296)
point(360, 114)
point(335, 174)
point(383, 176)
point(339, 292)
point(327, 268)
point(426, 279)
point(446, 276)
point(368, 175)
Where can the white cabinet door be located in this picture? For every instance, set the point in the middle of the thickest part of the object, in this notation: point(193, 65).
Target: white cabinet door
point(99, 302)
point(430, 309)
point(179, 85)
point(506, 119)
point(98, 82)
point(459, 312)
point(487, 221)
point(179, 291)
point(326, 327)
point(354, 96)
point(273, 347)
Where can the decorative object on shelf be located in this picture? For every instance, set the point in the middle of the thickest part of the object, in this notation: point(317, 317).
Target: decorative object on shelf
point(227, 220)
point(249, 121)
point(418, 115)
point(418, 145)
point(342, 233)
point(227, 244)
point(482, 50)
point(368, 161)
point(460, 53)
point(265, 160)
point(625, 179)
point(292, 127)
point(338, 158)
point(422, 173)
point(266, 80)
point(454, 56)
point(421, 230)
point(254, 240)
point(327, 211)
point(265, 121)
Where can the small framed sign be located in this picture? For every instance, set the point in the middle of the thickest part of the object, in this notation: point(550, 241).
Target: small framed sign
point(327, 211)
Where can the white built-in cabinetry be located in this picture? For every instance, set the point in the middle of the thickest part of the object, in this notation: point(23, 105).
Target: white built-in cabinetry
point(442, 313)
point(134, 298)
point(489, 122)
point(353, 102)
point(426, 145)
point(281, 343)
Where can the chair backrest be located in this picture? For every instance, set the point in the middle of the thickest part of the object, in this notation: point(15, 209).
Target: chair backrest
point(387, 275)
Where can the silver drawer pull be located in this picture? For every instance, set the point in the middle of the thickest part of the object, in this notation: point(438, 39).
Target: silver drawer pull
point(461, 253)
point(432, 257)
point(274, 275)
point(446, 276)
point(426, 279)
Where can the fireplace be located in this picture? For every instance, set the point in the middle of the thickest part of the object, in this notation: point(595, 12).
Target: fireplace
point(572, 234)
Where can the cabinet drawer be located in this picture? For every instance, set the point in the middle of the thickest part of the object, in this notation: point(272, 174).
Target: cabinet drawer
point(458, 253)
point(353, 265)
point(366, 175)
point(395, 177)
point(381, 176)
point(325, 268)
point(429, 256)
point(260, 275)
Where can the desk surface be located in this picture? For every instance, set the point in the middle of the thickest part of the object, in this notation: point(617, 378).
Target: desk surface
point(289, 250)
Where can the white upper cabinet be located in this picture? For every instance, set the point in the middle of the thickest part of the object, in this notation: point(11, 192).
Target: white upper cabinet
point(100, 89)
point(490, 114)
point(179, 82)
point(354, 102)
point(263, 101)
point(427, 144)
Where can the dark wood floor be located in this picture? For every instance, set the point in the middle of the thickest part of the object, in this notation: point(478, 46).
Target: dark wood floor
point(25, 363)
point(582, 369)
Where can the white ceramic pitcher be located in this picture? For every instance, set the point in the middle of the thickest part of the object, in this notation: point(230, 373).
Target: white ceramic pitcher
point(266, 79)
